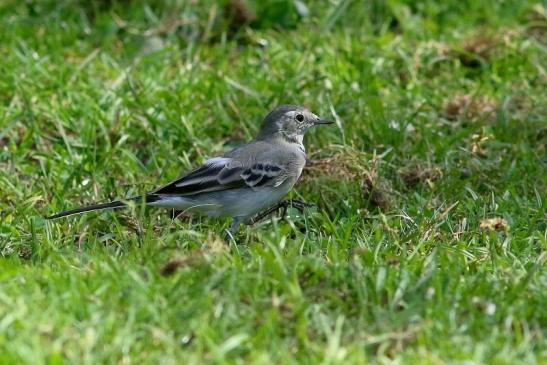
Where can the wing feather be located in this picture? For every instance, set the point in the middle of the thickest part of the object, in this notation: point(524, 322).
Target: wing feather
point(223, 173)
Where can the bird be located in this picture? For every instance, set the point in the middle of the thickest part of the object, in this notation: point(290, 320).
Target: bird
point(242, 182)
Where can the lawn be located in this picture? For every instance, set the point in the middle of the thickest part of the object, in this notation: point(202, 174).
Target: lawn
point(428, 241)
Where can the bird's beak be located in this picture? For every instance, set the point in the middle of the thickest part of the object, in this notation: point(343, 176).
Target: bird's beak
point(323, 121)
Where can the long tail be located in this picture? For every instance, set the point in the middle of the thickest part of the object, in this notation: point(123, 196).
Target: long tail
point(91, 208)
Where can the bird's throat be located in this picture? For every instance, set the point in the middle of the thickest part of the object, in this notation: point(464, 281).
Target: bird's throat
point(295, 138)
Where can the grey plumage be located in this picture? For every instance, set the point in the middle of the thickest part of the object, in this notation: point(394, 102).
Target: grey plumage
point(242, 182)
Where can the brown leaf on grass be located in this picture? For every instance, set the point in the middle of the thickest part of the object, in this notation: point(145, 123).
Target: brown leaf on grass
point(418, 173)
point(479, 45)
point(212, 247)
point(469, 107)
point(376, 190)
point(238, 13)
point(477, 48)
point(192, 259)
point(494, 224)
point(171, 266)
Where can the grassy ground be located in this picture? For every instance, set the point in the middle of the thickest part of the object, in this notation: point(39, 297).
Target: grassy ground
point(428, 245)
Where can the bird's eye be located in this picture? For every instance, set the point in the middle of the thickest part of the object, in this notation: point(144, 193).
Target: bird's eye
point(300, 117)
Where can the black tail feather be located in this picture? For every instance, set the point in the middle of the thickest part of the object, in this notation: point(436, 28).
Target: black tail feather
point(150, 198)
point(90, 208)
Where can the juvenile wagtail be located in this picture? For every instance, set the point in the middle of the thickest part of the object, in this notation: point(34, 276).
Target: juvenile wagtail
point(242, 182)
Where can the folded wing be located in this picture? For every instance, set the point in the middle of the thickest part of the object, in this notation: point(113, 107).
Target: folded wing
point(222, 173)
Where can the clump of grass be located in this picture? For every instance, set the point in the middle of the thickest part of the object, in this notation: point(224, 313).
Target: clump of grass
point(377, 191)
point(344, 164)
point(350, 165)
point(417, 173)
point(469, 107)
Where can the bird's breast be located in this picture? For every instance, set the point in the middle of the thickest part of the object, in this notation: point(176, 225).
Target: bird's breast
point(298, 163)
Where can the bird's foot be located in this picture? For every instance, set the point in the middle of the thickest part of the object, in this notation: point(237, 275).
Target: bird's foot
point(229, 234)
point(283, 206)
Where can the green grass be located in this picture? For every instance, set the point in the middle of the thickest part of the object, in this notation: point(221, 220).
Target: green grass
point(111, 99)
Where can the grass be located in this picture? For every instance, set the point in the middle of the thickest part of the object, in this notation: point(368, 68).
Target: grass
point(429, 242)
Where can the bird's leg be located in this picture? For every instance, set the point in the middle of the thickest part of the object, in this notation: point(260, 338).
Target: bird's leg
point(233, 228)
point(235, 223)
point(299, 205)
point(266, 213)
point(284, 204)
point(284, 208)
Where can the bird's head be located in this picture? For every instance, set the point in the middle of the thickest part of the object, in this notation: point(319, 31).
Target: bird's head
point(289, 121)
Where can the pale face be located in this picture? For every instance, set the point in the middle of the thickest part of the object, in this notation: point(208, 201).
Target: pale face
point(296, 122)
point(291, 121)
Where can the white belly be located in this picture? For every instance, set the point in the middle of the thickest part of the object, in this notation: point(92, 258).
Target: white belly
point(233, 203)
